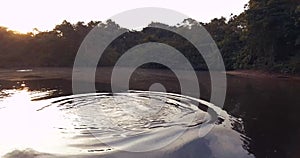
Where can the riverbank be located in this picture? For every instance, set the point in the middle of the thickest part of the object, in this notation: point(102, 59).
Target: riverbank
point(66, 73)
point(259, 74)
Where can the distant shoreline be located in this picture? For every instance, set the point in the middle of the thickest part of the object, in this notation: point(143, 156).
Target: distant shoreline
point(263, 74)
point(14, 74)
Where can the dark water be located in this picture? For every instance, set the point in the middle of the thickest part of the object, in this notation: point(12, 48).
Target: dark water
point(264, 114)
point(270, 111)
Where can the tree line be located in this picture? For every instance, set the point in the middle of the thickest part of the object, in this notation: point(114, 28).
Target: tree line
point(265, 36)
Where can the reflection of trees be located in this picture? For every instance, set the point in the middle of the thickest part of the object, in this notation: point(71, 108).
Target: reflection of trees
point(269, 115)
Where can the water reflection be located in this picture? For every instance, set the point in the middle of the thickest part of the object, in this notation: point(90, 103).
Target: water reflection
point(270, 113)
point(20, 127)
point(67, 125)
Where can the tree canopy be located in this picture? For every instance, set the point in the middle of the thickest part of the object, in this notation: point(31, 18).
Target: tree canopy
point(265, 36)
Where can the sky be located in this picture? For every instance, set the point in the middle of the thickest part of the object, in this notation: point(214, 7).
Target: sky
point(23, 16)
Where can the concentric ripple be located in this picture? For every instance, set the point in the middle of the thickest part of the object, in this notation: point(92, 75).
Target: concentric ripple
point(132, 121)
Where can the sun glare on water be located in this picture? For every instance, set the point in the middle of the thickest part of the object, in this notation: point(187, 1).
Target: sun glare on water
point(23, 127)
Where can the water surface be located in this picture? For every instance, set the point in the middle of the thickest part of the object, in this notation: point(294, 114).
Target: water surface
point(259, 119)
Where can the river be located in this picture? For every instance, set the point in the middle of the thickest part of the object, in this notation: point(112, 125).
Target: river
point(39, 116)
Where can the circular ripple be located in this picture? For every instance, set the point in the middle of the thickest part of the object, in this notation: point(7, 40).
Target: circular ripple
point(133, 121)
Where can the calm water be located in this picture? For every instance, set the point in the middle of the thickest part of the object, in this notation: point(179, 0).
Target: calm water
point(259, 119)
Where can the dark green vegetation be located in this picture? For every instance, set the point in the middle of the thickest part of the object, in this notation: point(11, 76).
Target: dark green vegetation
point(265, 36)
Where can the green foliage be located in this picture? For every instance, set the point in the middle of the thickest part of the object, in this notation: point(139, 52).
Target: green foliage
point(265, 36)
point(229, 37)
point(273, 32)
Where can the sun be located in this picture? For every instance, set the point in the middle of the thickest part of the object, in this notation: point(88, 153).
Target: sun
point(20, 30)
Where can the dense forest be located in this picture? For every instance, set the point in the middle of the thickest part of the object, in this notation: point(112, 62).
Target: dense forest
point(265, 36)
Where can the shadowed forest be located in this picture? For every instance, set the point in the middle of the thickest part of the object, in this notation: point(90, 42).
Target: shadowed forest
point(266, 36)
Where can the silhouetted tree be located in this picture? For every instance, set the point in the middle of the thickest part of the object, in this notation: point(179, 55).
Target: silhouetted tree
point(265, 36)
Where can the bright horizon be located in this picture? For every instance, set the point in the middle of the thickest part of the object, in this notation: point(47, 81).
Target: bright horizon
point(23, 16)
